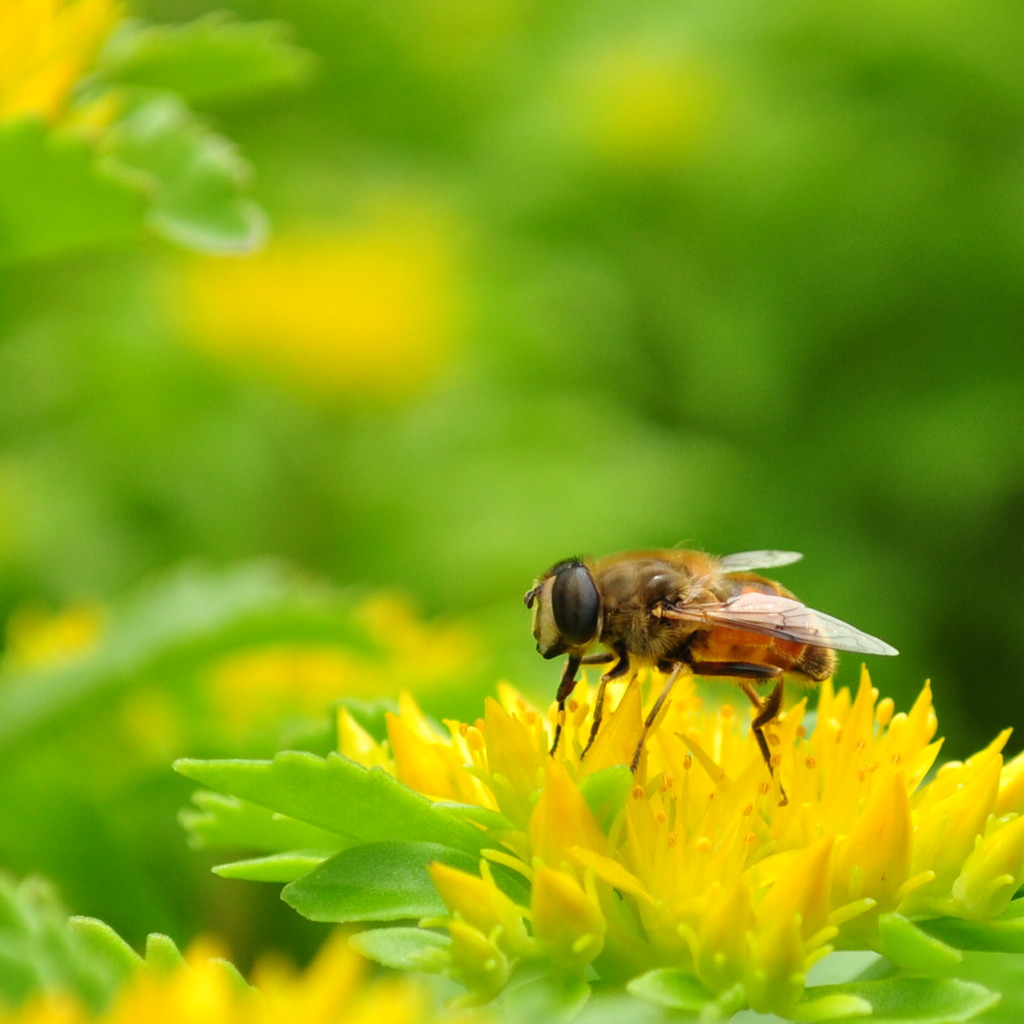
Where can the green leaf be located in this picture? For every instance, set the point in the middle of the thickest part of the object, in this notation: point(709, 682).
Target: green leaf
point(604, 1008)
point(210, 58)
point(405, 949)
point(225, 821)
point(191, 177)
point(1003, 973)
point(385, 881)
point(54, 200)
point(359, 804)
point(832, 1007)
point(843, 965)
point(162, 953)
point(493, 821)
point(672, 988)
point(278, 867)
point(908, 946)
point(1003, 935)
point(40, 952)
point(102, 941)
point(606, 791)
point(901, 999)
point(43, 950)
point(550, 996)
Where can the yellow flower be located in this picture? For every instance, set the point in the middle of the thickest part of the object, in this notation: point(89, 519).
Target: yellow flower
point(257, 687)
point(46, 46)
point(642, 105)
point(50, 1009)
point(367, 312)
point(334, 989)
point(39, 639)
point(692, 863)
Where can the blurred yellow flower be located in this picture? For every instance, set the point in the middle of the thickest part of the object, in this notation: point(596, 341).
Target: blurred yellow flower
point(334, 989)
point(258, 687)
point(641, 105)
point(46, 46)
point(39, 639)
point(692, 863)
point(370, 312)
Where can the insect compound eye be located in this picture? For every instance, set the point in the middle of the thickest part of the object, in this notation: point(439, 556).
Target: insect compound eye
point(575, 603)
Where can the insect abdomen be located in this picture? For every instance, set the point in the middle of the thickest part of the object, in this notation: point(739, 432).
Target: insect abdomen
point(817, 663)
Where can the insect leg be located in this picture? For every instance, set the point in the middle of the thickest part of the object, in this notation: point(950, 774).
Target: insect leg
point(618, 670)
point(598, 659)
point(767, 710)
point(649, 720)
point(565, 687)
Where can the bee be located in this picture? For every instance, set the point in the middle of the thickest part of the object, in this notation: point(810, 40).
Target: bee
point(676, 611)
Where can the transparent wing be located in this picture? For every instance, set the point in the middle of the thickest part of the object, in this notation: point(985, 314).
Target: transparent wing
point(744, 560)
point(782, 617)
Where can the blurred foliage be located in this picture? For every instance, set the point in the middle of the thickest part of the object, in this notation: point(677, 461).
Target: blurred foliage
point(544, 278)
point(229, 664)
point(43, 952)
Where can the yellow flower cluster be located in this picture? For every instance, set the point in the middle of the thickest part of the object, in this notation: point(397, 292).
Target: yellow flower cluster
point(46, 46)
point(693, 863)
point(332, 990)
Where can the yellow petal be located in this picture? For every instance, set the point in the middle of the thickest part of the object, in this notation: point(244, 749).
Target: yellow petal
point(874, 859)
point(566, 918)
point(992, 873)
point(775, 979)
point(562, 820)
point(479, 902)
point(801, 887)
point(721, 953)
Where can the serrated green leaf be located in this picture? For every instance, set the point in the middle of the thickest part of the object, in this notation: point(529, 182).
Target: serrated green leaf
point(923, 1000)
point(162, 953)
point(493, 821)
point(183, 619)
point(210, 58)
point(54, 200)
point(361, 805)
point(385, 881)
point(39, 951)
point(278, 867)
point(105, 944)
point(225, 821)
point(908, 946)
point(191, 176)
point(232, 973)
point(406, 949)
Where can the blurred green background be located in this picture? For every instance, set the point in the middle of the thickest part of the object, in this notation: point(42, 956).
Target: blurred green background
point(546, 278)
